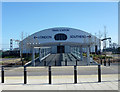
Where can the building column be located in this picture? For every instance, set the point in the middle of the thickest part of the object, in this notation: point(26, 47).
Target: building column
point(45, 51)
point(39, 54)
point(42, 52)
point(78, 51)
point(72, 50)
point(81, 52)
point(88, 55)
point(48, 50)
point(96, 49)
point(33, 56)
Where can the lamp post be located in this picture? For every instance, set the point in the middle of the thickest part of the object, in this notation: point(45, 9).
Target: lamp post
point(105, 45)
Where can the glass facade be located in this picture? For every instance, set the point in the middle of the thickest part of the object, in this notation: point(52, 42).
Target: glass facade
point(60, 36)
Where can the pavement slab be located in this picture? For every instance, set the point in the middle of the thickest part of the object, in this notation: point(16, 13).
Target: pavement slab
point(62, 78)
point(85, 82)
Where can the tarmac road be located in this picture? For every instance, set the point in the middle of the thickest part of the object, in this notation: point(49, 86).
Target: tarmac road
point(62, 70)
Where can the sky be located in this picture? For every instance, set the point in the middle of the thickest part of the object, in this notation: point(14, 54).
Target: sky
point(31, 17)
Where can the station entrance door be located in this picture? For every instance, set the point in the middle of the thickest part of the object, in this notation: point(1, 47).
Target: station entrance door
point(60, 49)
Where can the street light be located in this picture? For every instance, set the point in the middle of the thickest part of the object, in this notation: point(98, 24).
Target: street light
point(105, 45)
point(106, 39)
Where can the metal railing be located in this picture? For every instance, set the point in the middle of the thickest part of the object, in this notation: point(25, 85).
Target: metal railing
point(105, 62)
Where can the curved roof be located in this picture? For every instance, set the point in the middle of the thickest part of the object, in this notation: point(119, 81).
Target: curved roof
point(46, 37)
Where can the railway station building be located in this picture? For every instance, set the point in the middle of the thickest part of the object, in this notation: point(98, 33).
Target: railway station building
point(60, 40)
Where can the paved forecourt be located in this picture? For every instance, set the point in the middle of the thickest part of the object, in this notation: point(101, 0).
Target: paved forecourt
point(64, 80)
point(85, 82)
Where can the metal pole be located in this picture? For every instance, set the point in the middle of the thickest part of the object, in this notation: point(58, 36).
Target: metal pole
point(81, 51)
point(49, 74)
point(44, 62)
point(76, 62)
point(39, 54)
point(75, 74)
point(104, 62)
point(65, 62)
point(25, 75)
point(88, 55)
point(22, 62)
point(2, 74)
point(55, 62)
point(33, 56)
point(99, 73)
point(109, 62)
point(101, 61)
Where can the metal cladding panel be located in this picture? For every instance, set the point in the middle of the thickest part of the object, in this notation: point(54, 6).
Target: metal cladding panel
point(67, 49)
point(54, 49)
point(47, 36)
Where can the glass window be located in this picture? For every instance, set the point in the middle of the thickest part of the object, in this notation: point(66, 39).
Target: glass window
point(60, 36)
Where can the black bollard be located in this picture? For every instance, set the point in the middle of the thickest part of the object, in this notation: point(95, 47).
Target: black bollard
point(101, 61)
point(75, 74)
point(65, 62)
point(25, 75)
point(76, 62)
point(2, 74)
point(109, 62)
point(49, 74)
point(22, 62)
point(99, 73)
point(44, 62)
point(104, 62)
point(55, 62)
